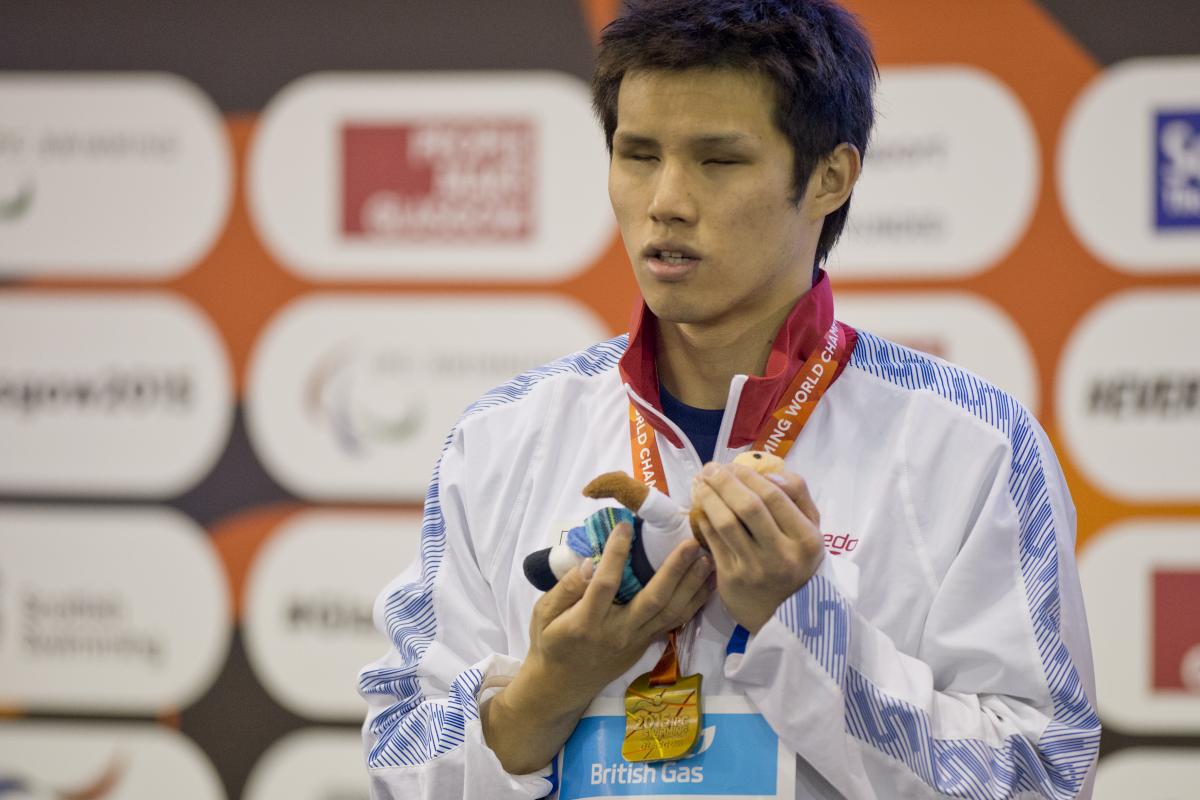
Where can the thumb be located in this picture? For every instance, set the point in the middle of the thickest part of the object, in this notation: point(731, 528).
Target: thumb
point(567, 591)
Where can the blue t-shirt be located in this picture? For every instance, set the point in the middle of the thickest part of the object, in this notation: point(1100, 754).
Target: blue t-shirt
point(700, 425)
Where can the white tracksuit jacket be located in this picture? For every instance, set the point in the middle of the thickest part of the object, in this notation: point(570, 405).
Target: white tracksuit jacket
point(941, 649)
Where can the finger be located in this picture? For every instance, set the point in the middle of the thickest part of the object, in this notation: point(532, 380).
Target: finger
point(796, 489)
point(724, 522)
point(606, 580)
point(689, 596)
point(677, 618)
point(745, 503)
point(694, 577)
point(787, 513)
point(697, 601)
point(657, 594)
point(723, 557)
point(564, 594)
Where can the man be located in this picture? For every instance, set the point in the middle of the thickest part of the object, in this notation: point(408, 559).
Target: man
point(898, 611)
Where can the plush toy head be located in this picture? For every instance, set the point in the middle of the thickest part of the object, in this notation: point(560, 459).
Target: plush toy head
point(760, 460)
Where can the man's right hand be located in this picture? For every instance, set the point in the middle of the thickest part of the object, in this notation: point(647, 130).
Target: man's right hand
point(580, 641)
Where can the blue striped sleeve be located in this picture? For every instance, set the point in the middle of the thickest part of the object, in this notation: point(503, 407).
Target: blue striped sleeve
point(1056, 765)
point(415, 729)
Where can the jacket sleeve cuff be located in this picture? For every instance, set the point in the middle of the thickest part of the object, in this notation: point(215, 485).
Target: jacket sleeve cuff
point(483, 767)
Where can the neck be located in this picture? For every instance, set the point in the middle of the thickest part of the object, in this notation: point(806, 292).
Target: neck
point(696, 362)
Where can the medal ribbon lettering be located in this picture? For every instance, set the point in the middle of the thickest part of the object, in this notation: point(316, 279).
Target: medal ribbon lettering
point(800, 398)
point(647, 460)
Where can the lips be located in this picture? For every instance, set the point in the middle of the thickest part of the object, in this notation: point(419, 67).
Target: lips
point(670, 261)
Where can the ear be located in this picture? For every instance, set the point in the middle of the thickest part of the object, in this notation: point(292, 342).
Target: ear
point(832, 181)
point(618, 486)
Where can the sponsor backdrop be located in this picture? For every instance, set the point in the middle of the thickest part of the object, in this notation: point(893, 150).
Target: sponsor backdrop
point(255, 259)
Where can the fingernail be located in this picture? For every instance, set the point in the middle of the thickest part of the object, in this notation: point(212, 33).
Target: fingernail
point(705, 565)
point(624, 529)
point(586, 569)
point(710, 469)
point(776, 478)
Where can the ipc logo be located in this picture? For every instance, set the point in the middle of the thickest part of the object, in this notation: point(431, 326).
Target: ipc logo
point(1177, 173)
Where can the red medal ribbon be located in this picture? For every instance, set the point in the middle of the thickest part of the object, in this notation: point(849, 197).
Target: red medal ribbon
point(666, 671)
point(802, 395)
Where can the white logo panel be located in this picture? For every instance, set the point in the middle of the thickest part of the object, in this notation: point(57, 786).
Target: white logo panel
point(108, 610)
point(950, 180)
point(452, 176)
point(1128, 395)
point(1140, 582)
point(1147, 773)
point(309, 598)
point(1129, 165)
point(964, 329)
point(351, 397)
point(104, 761)
point(113, 393)
point(311, 764)
point(109, 175)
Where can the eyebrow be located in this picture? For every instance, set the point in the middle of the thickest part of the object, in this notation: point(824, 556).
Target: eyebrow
point(705, 140)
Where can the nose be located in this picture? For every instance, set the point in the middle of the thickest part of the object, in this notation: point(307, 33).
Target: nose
point(672, 201)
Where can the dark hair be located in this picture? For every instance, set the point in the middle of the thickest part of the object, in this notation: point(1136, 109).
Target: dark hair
point(814, 52)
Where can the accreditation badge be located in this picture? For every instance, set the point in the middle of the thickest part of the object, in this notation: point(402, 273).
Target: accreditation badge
point(738, 757)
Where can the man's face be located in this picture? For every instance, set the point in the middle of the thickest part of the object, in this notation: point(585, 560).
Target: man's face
point(701, 183)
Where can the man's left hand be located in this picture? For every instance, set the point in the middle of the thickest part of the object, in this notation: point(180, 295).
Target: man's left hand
point(764, 534)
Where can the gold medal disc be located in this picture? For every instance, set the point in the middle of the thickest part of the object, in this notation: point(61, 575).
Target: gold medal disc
point(662, 723)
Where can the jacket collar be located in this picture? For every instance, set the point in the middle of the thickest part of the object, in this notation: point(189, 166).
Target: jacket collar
point(802, 332)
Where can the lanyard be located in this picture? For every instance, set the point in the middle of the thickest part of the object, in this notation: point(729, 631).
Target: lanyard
point(781, 428)
point(777, 436)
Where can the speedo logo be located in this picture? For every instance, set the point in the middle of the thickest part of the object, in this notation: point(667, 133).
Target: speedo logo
point(838, 543)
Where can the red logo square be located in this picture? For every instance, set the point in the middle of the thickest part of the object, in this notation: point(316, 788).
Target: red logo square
point(1176, 598)
point(440, 181)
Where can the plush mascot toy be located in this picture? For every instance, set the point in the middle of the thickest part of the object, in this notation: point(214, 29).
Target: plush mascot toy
point(659, 524)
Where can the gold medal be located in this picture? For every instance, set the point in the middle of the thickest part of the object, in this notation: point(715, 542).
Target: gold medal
point(662, 712)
